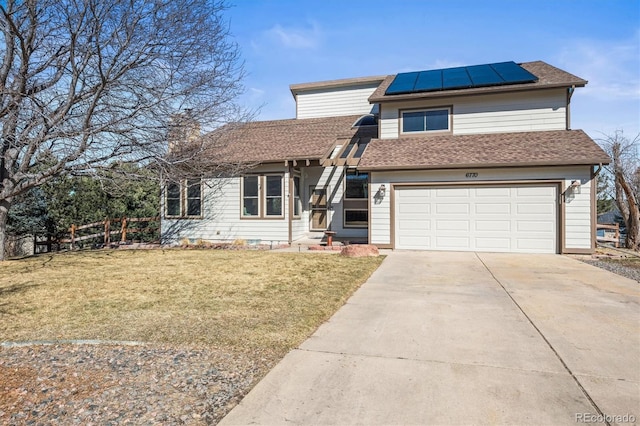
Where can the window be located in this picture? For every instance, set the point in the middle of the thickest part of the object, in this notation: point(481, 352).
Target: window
point(433, 120)
point(184, 198)
point(172, 198)
point(273, 195)
point(356, 218)
point(262, 196)
point(356, 185)
point(297, 204)
point(250, 198)
point(194, 194)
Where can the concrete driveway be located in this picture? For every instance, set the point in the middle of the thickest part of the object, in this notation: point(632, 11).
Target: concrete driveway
point(465, 338)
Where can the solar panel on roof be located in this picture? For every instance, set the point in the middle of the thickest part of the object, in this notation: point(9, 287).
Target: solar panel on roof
point(484, 75)
point(455, 78)
point(428, 80)
point(513, 73)
point(501, 73)
point(403, 83)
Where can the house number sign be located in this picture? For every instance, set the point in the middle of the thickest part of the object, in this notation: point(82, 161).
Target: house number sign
point(472, 175)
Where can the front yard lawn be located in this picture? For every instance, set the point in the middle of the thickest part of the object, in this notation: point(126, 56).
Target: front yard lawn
point(239, 300)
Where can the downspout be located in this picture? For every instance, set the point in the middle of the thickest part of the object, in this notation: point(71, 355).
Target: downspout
point(597, 172)
point(290, 197)
point(594, 207)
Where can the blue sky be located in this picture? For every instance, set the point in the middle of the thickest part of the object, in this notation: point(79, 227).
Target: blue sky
point(285, 42)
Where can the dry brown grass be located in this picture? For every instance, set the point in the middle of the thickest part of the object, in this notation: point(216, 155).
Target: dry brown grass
point(243, 300)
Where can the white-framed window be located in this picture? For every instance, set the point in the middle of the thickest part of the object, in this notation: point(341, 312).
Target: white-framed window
point(297, 202)
point(262, 196)
point(356, 218)
point(356, 185)
point(183, 198)
point(425, 120)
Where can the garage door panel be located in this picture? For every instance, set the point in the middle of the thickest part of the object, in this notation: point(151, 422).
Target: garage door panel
point(451, 192)
point(493, 244)
point(492, 192)
point(408, 208)
point(533, 244)
point(535, 226)
point(453, 225)
point(535, 209)
point(452, 208)
point(502, 218)
point(493, 225)
point(491, 209)
point(414, 225)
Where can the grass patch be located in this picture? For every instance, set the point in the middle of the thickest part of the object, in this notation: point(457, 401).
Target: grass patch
point(241, 300)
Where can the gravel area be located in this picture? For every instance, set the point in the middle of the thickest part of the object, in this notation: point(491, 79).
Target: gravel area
point(615, 267)
point(122, 384)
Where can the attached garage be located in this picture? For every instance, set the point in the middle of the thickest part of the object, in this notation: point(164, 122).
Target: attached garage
point(495, 218)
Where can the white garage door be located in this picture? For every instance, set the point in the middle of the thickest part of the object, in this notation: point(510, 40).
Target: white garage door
point(520, 218)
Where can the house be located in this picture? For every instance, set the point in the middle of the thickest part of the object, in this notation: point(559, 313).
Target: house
point(477, 158)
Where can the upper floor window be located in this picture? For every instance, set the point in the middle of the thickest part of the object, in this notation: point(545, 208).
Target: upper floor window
point(423, 121)
point(356, 185)
point(183, 198)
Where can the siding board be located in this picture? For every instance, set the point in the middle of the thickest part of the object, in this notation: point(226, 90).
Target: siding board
point(513, 112)
point(350, 100)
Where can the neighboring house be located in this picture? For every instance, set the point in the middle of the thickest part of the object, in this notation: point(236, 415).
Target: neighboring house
point(478, 158)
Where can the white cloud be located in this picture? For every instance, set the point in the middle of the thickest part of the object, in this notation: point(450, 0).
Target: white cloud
point(296, 38)
point(610, 67)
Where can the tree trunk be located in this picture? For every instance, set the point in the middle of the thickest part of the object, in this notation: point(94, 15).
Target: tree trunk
point(4, 215)
point(630, 213)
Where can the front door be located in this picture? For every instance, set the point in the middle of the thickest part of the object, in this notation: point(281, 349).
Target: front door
point(318, 208)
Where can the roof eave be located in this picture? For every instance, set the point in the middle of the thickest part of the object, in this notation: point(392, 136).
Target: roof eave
point(330, 84)
point(472, 92)
point(483, 165)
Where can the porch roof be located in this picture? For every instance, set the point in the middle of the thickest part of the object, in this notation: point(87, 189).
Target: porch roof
point(282, 140)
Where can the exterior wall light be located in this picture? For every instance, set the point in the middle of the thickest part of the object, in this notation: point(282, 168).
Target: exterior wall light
point(576, 187)
point(382, 191)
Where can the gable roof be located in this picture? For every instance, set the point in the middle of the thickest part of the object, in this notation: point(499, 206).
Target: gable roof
point(548, 77)
point(546, 148)
point(281, 140)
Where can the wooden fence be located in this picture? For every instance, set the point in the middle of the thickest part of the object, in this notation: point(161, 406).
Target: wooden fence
point(108, 228)
point(611, 233)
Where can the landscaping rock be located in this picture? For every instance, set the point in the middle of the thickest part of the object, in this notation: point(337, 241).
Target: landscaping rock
point(359, 250)
point(110, 384)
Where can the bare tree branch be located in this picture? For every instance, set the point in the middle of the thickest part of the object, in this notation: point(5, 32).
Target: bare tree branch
point(89, 82)
point(624, 168)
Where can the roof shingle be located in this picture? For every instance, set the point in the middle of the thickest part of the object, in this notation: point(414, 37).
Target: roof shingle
point(279, 140)
point(561, 147)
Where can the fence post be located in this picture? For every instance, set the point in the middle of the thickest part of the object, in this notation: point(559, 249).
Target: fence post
point(107, 233)
point(123, 230)
point(617, 235)
point(73, 235)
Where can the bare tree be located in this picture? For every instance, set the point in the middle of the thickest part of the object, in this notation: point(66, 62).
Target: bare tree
point(87, 82)
point(624, 169)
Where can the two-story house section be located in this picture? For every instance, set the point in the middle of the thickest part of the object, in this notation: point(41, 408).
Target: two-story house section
point(476, 158)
